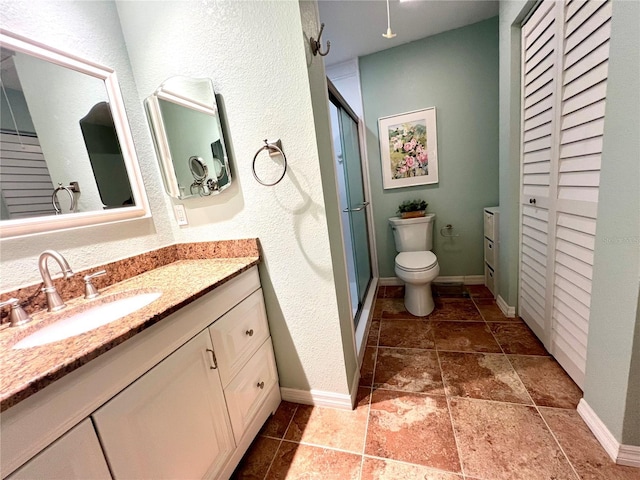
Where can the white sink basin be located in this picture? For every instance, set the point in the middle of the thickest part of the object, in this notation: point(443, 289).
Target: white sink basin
point(106, 311)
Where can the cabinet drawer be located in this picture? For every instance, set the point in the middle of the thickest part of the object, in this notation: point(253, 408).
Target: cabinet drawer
point(489, 225)
point(490, 278)
point(489, 252)
point(248, 390)
point(238, 334)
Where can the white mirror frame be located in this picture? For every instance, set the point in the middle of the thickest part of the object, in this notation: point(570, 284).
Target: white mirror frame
point(166, 91)
point(28, 226)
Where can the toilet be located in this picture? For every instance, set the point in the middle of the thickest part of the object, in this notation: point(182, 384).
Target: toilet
point(416, 265)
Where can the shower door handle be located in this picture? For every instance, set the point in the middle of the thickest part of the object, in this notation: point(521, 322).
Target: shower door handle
point(362, 206)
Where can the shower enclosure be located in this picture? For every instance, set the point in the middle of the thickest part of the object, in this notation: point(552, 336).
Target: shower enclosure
point(353, 201)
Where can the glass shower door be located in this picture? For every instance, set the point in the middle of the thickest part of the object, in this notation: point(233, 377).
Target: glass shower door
point(352, 201)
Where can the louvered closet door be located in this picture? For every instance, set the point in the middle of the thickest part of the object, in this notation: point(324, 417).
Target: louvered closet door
point(558, 230)
point(539, 65)
point(25, 182)
point(584, 82)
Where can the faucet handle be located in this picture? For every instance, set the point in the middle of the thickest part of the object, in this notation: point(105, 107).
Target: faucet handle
point(89, 290)
point(17, 316)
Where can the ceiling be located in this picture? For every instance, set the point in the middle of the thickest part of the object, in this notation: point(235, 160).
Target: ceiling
point(355, 27)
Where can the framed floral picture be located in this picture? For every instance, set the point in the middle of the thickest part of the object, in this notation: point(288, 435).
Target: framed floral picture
point(409, 148)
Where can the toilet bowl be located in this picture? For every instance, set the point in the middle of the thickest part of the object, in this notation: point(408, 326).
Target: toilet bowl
point(417, 270)
point(416, 265)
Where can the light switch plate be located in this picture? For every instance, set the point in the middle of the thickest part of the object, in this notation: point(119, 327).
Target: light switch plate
point(181, 215)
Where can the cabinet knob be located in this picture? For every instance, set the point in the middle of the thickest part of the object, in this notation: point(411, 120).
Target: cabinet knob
point(260, 385)
point(532, 201)
point(249, 332)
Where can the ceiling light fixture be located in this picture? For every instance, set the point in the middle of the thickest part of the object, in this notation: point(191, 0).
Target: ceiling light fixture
point(389, 33)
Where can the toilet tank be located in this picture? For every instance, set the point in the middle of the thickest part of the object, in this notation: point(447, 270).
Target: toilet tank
point(413, 234)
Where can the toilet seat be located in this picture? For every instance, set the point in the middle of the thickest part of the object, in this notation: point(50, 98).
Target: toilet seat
point(416, 261)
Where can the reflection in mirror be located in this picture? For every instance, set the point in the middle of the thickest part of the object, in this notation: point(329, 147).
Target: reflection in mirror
point(66, 155)
point(184, 121)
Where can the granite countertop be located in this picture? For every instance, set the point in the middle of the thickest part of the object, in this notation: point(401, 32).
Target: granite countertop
point(26, 371)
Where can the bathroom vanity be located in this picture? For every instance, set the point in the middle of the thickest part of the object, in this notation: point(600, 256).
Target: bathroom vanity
point(183, 397)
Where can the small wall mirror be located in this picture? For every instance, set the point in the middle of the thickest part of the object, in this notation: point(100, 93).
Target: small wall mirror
point(67, 156)
point(184, 121)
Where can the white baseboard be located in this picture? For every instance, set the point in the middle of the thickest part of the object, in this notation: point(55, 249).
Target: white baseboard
point(621, 454)
point(318, 398)
point(465, 279)
point(508, 310)
point(629, 455)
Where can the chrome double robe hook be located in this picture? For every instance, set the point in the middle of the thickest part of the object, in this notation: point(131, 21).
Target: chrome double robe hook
point(316, 44)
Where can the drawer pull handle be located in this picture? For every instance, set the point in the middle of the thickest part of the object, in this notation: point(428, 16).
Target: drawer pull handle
point(249, 332)
point(260, 385)
point(213, 357)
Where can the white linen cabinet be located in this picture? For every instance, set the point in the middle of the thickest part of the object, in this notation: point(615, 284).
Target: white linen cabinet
point(491, 223)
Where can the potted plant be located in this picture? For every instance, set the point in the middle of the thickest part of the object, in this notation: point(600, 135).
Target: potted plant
point(412, 208)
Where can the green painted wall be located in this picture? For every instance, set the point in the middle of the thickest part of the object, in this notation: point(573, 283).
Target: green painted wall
point(511, 14)
point(457, 72)
point(612, 378)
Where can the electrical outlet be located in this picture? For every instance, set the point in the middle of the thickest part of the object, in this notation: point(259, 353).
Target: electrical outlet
point(181, 215)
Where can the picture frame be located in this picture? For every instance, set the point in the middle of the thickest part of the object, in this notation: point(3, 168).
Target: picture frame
point(409, 148)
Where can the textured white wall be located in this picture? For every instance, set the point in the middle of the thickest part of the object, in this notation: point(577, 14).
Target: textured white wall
point(345, 76)
point(255, 54)
point(90, 30)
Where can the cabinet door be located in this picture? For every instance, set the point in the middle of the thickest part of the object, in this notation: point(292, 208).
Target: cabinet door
point(76, 455)
point(172, 422)
point(238, 334)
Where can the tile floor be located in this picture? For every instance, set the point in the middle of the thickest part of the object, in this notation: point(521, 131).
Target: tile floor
point(464, 393)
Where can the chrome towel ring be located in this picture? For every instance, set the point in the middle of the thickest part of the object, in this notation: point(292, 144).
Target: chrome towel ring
point(270, 147)
point(70, 190)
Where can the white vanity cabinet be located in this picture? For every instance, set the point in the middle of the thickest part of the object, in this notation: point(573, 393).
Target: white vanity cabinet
point(182, 399)
point(75, 456)
point(172, 422)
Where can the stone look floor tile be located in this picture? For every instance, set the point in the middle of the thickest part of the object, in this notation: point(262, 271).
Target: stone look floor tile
point(256, 461)
point(277, 424)
point(500, 441)
point(485, 376)
point(585, 453)
point(374, 332)
point(304, 462)
point(368, 365)
point(408, 370)
point(455, 309)
point(389, 307)
point(464, 337)
point(406, 334)
point(516, 338)
point(332, 427)
point(547, 383)
point(413, 428)
point(384, 469)
point(394, 291)
point(491, 312)
point(479, 291)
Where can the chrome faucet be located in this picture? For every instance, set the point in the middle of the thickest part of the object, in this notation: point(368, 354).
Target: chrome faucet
point(54, 301)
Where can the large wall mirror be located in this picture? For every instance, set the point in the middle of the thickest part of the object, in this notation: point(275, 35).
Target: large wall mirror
point(66, 154)
point(186, 129)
